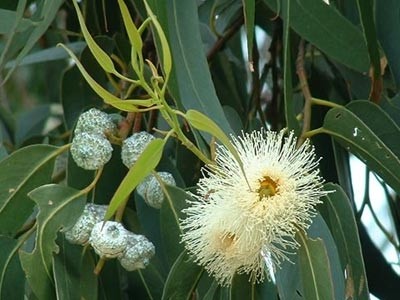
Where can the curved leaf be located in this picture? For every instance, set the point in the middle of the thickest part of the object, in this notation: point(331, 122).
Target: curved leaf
point(59, 207)
point(339, 215)
point(182, 279)
point(190, 81)
point(146, 163)
point(358, 138)
point(21, 172)
point(326, 28)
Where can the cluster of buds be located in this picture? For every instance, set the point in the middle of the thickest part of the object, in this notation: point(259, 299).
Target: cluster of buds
point(90, 147)
point(110, 239)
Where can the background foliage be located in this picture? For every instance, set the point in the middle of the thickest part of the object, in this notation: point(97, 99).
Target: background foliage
point(329, 72)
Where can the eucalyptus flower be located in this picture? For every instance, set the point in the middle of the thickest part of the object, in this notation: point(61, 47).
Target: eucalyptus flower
point(243, 219)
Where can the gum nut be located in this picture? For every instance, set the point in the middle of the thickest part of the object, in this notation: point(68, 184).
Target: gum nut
point(133, 146)
point(90, 151)
point(151, 190)
point(108, 239)
point(95, 121)
point(138, 252)
point(80, 232)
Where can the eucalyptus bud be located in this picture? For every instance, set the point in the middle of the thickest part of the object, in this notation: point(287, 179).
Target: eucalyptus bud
point(95, 121)
point(138, 252)
point(109, 239)
point(151, 191)
point(90, 151)
point(79, 233)
point(134, 146)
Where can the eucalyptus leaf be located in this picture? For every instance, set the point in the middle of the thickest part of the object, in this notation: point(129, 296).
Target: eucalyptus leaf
point(59, 207)
point(21, 172)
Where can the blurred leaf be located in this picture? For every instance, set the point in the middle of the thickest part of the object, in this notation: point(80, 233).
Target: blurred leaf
point(291, 121)
point(182, 279)
point(146, 163)
point(89, 281)
point(67, 270)
point(352, 133)
point(110, 281)
point(7, 21)
point(171, 212)
point(49, 54)
point(249, 7)
point(314, 268)
point(338, 213)
point(327, 29)
point(59, 206)
point(3, 151)
point(44, 15)
point(21, 172)
point(12, 279)
point(31, 123)
point(387, 20)
point(193, 89)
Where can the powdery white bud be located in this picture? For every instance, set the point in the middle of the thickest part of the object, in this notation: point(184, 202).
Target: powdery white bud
point(134, 146)
point(95, 121)
point(91, 151)
point(151, 190)
point(80, 232)
point(109, 239)
point(138, 252)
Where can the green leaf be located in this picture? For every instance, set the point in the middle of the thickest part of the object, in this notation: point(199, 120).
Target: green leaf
point(352, 133)
point(291, 121)
point(249, 7)
point(379, 122)
point(49, 54)
point(314, 268)
point(165, 50)
point(171, 212)
point(109, 98)
point(7, 21)
point(338, 213)
point(21, 172)
point(327, 29)
point(45, 14)
point(134, 38)
point(182, 279)
point(190, 82)
point(387, 21)
point(67, 270)
point(366, 10)
point(59, 207)
point(12, 279)
point(146, 163)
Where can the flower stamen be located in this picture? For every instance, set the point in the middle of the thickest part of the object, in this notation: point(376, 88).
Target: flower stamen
point(268, 187)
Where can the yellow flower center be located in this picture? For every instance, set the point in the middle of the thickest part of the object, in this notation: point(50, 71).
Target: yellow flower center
point(268, 187)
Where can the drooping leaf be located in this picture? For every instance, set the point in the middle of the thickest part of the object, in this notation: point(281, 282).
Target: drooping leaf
point(327, 29)
point(352, 133)
point(182, 279)
point(7, 19)
point(338, 213)
point(290, 115)
point(59, 206)
point(67, 270)
point(314, 268)
point(190, 81)
point(249, 8)
point(46, 11)
point(21, 172)
point(171, 212)
point(12, 279)
point(147, 161)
